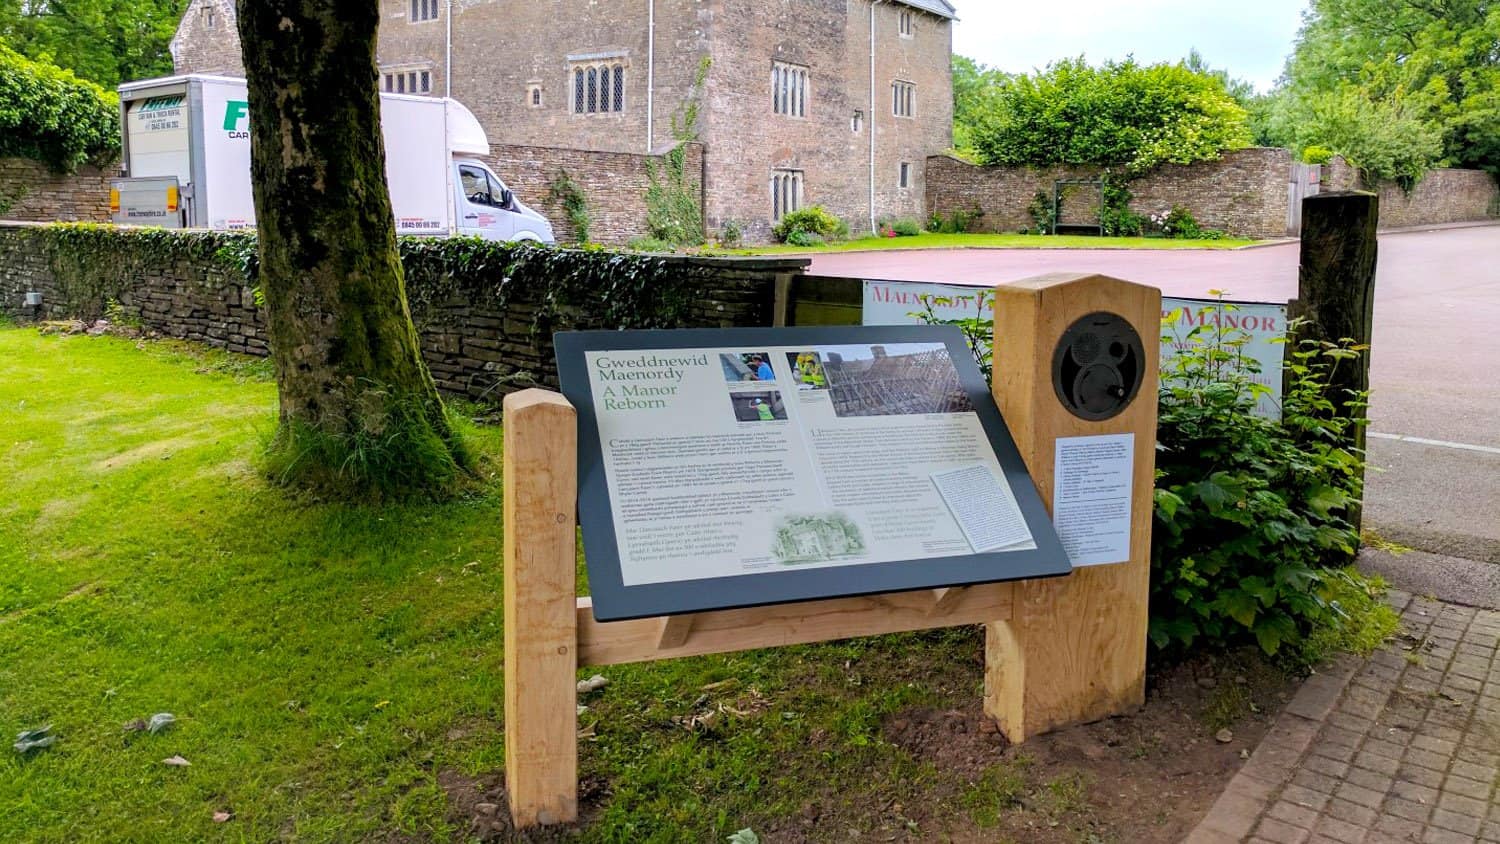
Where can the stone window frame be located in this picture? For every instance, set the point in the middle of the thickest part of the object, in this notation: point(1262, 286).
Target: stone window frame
point(790, 85)
point(904, 98)
point(412, 79)
point(788, 187)
point(424, 11)
point(209, 16)
point(903, 175)
point(857, 121)
point(596, 83)
point(534, 94)
point(906, 24)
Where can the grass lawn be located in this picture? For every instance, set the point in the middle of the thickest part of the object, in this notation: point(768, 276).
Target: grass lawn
point(928, 240)
point(335, 670)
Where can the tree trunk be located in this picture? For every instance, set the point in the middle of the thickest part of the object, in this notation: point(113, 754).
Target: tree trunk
point(359, 410)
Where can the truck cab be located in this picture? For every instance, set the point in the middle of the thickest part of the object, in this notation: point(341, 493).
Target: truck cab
point(489, 209)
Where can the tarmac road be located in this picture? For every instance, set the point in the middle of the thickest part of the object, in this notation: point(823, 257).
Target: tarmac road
point(1435, 361)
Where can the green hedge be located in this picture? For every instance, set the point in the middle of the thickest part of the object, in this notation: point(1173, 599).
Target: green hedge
point(50, 115)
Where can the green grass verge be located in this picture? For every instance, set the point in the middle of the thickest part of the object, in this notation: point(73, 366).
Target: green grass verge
point(929, 240)
point(336, 669)
point(331, 667)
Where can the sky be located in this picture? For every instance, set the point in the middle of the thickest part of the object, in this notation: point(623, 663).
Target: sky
point(1251, 40)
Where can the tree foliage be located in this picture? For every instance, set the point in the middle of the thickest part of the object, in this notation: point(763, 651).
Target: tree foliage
point(50, 115)
point(1117, 114)
point(1396, 86)
point(104, 41)
point(974, 88)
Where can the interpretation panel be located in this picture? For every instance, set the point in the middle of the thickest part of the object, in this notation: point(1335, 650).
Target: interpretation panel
point(721, 469)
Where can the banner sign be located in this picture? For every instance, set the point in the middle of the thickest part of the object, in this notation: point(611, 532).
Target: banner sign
point(733, 468)
point(899, 303)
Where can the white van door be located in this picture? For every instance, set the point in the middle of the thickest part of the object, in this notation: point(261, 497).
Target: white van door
point(483, 205)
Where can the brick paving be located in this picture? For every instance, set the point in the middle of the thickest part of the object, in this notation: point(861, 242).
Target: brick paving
point(1402, 747)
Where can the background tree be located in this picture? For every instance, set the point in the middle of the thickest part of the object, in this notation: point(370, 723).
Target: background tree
point(974, 87)
point(359, 411)
point(1117, 114)
point(105, 41)
point(1396, 86)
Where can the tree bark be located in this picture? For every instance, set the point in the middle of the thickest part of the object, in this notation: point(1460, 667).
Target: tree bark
point(359, 409)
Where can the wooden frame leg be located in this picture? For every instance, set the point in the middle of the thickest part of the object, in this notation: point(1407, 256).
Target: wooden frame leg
point(1074, 649)
point(541, 634)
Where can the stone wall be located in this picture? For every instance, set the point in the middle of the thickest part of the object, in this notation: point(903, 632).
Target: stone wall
point(29, 191)
point(475, 345)
point(1244, 193)
point(613, 183)
point(1441, 196)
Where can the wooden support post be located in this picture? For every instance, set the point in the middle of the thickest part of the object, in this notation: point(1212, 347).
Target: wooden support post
point(1074, 649)
point(541, 634)
point(1336, 290)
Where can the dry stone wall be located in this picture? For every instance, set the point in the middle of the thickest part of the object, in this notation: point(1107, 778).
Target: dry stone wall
point(476, 344)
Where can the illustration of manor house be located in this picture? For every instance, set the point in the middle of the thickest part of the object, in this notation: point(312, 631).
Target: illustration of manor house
point(830, 102)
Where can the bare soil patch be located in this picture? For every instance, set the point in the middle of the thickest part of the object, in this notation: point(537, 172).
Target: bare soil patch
point(1146, 777)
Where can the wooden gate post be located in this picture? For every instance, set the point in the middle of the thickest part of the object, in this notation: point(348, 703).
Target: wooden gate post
point(541, 633)
point(1336, 294)
point(1074, 649)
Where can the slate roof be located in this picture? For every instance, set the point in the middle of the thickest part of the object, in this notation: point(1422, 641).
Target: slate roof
point(941, 8)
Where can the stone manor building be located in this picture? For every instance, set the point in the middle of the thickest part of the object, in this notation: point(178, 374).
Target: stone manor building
point(798, 102)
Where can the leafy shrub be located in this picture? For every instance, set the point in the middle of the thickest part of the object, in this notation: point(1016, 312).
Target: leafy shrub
point(1179, 222)
point(650, 244)
point(815, 220)
point(1118, 114)
point(731, 235)
point(1251, 532)
point(1041, 211)
point(1251, 513)
point(959, 222)
point(1315, 154)
point(905, 228)
point(1115, 216)
point(49, 115)
point(798, 237)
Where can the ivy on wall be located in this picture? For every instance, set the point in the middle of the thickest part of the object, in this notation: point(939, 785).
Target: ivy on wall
point(566, 193)
point(674, 213)
point(92, 264)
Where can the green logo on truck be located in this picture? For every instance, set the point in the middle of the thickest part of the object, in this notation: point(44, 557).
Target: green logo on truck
point(236, 112)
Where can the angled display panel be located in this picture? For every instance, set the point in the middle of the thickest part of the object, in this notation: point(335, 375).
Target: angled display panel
point(721, 469)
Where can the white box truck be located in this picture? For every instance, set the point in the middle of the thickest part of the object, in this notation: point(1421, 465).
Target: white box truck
point(186, 153)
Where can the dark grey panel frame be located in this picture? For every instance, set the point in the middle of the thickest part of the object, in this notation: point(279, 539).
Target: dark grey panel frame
point(614, 601)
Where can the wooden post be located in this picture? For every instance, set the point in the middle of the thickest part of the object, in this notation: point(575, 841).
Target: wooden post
point(541, 634)
point(1074, 649)
point(1336, 290)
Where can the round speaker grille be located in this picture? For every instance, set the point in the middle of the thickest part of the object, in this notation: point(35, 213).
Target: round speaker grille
point(1086, 348)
